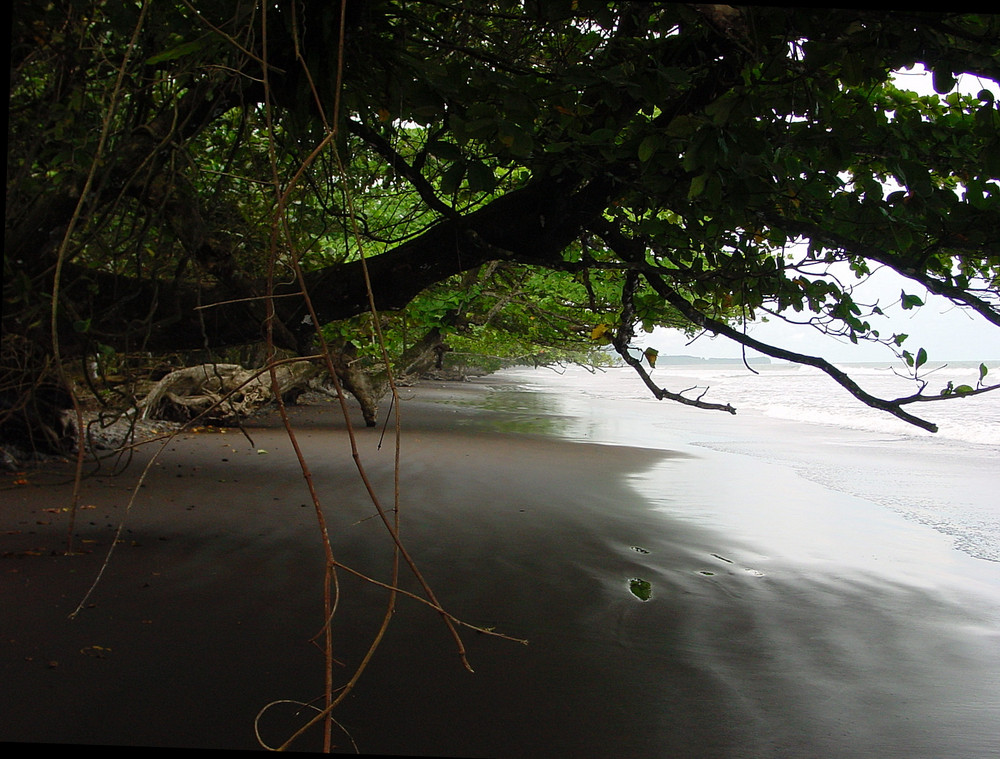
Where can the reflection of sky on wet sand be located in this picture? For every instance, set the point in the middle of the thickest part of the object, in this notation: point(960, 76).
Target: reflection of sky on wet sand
point(828, 592)
point(511, 409)
point(745, 578)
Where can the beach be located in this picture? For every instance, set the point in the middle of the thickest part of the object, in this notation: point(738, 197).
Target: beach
point(679, 597)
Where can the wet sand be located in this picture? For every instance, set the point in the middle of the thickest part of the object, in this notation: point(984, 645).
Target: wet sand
point(206, 609)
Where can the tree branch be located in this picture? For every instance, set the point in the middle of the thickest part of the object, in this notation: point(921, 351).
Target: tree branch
point(531, 225)
point(399, 165)
point(621, 343)
point(634, 250)
point(987, 310)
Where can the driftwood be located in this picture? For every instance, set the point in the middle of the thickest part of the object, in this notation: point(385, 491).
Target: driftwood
point(221, 392)
point(368, 384)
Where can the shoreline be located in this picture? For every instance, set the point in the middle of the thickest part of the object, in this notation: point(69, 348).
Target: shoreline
point(205, 611)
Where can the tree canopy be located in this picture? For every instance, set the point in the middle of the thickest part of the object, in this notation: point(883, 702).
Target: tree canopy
point(517, 177)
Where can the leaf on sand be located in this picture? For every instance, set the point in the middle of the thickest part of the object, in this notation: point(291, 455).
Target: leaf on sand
point(640, 588)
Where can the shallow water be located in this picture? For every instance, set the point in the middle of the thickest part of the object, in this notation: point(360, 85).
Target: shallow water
point(949, 482)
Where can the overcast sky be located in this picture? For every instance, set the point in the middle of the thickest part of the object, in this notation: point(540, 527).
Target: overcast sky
point(946, 332)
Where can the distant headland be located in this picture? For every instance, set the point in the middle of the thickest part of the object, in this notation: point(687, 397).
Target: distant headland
point(687, 360)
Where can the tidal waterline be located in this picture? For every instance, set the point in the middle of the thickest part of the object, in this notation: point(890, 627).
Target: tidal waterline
point(800, 420)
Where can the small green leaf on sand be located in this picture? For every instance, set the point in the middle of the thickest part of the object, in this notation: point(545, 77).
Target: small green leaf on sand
point(641, 589)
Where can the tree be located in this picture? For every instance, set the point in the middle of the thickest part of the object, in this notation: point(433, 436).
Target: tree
point(380, 180)
point(186, 176)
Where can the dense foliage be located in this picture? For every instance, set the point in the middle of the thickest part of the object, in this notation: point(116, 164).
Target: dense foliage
point(518, 179)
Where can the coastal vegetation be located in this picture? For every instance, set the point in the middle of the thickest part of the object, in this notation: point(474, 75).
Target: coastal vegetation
point(377, 184)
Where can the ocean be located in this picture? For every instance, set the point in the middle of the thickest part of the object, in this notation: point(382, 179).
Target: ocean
point(796, 418)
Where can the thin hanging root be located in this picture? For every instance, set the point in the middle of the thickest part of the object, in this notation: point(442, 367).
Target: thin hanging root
point(279, 229)
point(260, 714)
point(438, 609)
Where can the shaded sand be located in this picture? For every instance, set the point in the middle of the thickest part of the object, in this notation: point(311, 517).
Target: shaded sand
point(206, 609)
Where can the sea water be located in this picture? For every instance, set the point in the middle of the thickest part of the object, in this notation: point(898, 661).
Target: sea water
point(798, 418)
point(827, 575)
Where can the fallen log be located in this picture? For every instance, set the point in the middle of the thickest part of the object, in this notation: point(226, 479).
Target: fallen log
point(221, 393)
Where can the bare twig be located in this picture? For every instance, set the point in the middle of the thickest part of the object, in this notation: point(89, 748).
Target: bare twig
point(279, 228)
point(621, 343)
point(61, 259)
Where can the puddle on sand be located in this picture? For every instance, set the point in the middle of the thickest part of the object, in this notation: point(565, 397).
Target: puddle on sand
point(517, 411)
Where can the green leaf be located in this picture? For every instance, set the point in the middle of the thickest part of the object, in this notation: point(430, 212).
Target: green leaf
point(452, 178)
point(697, 186)
point(446, 151)
point(185, 48)
point(910, 301)
point(649, 146)
point(683, 126)
point(944, 81)
point(557, 147)
point(713, 190)
point(673, 75)
point(513, 137)
point(480, 177)
point(916, 177)
point(641, 589)
point(983, 371)
point(904, 239)
point(963, 389)
point(921, 358)
point(718, 110)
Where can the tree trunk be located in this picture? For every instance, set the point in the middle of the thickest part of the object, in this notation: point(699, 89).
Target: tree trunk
point(531, 225)
point(370, 383)
point(367, 385)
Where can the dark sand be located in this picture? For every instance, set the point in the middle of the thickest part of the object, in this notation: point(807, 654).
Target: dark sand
point(205, 612)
